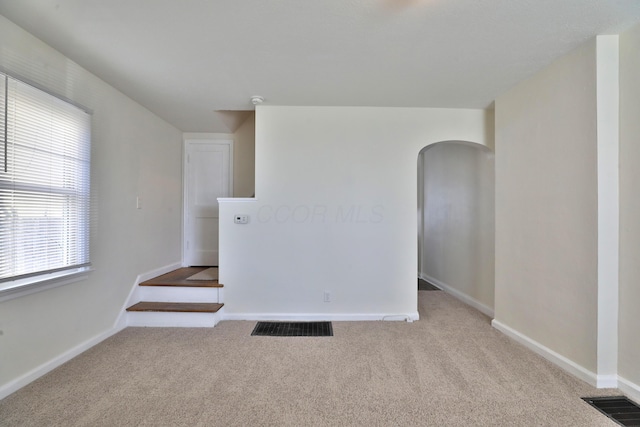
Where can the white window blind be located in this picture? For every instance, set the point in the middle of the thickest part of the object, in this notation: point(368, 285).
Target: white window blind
point(44, 182)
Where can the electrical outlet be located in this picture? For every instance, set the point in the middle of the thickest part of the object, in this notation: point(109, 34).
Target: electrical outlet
point(327, 296)
point(241, 219)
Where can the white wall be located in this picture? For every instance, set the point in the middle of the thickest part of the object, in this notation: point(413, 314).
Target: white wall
point(546, 207)
point(629, 349)
point(336, 191)
point(134, 153)
point(457, 221)
point(557, 211)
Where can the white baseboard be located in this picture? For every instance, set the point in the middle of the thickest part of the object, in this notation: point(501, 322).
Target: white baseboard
point(555, 358)
point(460, 295)
point(607, 381)
point(34, 374)
point(158, 272)
point(121, 321)
point(631, 390)
point(119, 324)
point(306, 317)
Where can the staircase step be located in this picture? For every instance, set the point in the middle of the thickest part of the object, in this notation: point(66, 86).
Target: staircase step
point(179, 278)
point(175, 319)
point(180, 307)
point(177, 294)
point(170, 300)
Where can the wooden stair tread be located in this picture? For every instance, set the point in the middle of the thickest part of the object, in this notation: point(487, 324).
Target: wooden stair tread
point(179, 278)
point(182, 307)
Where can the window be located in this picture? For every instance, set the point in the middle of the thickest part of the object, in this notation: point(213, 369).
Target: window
point(44, 184)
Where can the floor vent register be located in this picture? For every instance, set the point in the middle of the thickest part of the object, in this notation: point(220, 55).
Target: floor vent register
point(293, 329)
point(617, 408)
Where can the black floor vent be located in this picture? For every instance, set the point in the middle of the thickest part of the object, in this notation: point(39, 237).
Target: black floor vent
point(618, 408)
point(293, 329)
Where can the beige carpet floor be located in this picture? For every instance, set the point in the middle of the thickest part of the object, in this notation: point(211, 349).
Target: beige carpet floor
point(451, 368)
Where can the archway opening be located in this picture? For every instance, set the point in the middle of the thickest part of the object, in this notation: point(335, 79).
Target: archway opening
point(456, 221)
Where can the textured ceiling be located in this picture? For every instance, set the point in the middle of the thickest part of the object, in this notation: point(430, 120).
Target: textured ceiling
point(186, 59)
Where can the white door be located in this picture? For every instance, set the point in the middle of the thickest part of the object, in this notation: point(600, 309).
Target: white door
point(208, 176)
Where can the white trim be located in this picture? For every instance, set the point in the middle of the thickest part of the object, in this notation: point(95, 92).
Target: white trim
point(45, 89)
point(353, 317)
point(143, 277)
point(607, 95)
point(631, 390)
point(236, 199)
point(206, 136)
point(421, 207)
point(485, 309)
point(555, 358)
point(34, 374)
point(122, 321)
point(40, 283)
point(606, 381)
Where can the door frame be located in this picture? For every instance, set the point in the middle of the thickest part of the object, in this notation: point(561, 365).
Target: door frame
point(195, 138)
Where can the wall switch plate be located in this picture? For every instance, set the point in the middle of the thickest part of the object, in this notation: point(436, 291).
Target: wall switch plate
point(241, 219)
point(138, 202)
point(327, 296)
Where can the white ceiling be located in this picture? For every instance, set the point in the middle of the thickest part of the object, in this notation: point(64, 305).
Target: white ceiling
point(186, 59)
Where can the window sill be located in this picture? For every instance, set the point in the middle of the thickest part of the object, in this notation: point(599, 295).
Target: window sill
point(20, 288)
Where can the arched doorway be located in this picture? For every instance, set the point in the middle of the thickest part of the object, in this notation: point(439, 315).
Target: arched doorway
point(456, 221)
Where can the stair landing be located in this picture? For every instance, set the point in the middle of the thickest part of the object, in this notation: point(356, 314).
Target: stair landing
point(179, 278)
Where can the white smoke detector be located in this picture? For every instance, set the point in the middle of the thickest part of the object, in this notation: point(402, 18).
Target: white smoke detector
point(257, 100)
